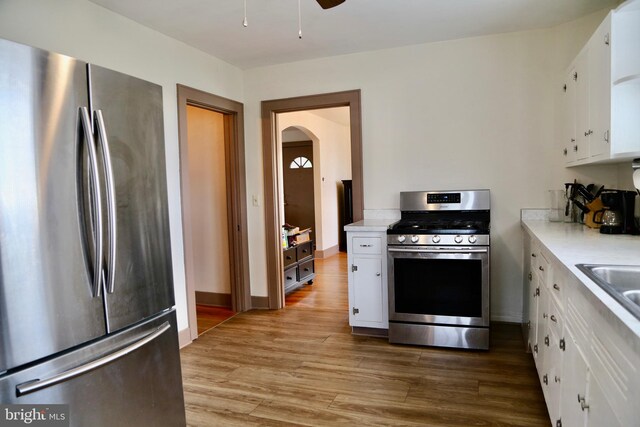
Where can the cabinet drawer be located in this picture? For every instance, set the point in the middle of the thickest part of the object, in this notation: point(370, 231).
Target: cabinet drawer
point(305, 269)
point(289, 257)
point(367, 245)
point(304, 250)
point(290, 277)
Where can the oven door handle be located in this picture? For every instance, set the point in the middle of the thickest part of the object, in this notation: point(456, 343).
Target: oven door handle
point(439, 251)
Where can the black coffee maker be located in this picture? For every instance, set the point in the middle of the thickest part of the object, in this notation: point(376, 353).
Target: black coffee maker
point(618, 212)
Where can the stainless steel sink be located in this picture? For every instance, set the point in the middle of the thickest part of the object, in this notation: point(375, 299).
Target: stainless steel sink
point(622, 282)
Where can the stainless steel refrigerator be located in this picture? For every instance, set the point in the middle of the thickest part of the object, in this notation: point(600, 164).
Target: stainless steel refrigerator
point(87, 312)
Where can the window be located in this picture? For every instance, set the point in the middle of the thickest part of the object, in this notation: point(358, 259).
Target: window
point(300, 162)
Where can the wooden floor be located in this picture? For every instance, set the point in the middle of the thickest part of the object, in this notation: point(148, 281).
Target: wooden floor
point(209, 316)
point(302, 366)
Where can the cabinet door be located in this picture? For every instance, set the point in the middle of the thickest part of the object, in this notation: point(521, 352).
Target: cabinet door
point(569, 146)
point(574, 383)
point(542, 328)
point(582, 105)
point(367, 290)
point(533, 312)
point(600, 412)
point(600, 89)
point(554, 376)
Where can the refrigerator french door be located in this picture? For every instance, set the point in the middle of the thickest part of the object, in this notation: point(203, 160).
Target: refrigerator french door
point(86, 291)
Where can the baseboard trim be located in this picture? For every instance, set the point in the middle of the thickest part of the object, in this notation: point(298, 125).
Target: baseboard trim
point(507, 318)
point(184, 337)
point(213, 298)
point(326, 253)
point(260, 302)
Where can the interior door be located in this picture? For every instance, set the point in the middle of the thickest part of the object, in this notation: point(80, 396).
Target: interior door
point(46, 300)
point(132, 112)
point(297, 161)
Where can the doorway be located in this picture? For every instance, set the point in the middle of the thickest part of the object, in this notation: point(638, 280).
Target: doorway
point(213, 203)
point(274, 215)
point(297, 181)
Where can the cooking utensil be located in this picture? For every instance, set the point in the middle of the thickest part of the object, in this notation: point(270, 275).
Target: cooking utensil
point(586, 194)
point(598, 192)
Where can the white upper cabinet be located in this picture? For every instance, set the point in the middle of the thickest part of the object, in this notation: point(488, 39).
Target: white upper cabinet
point(601, 99)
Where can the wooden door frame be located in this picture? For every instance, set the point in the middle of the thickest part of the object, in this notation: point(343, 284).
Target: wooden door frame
point(351, 99)
point(233, 119)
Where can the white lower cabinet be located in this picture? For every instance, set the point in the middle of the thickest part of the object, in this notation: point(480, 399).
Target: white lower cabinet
point(583, 401)
point(367, 277)
point(574, 384)
point(367, 290)
point(589, 375)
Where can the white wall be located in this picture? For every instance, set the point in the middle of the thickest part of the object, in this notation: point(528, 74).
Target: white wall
point(332, 161)
point(471, 113)
point(208, 238)
point(91, 33)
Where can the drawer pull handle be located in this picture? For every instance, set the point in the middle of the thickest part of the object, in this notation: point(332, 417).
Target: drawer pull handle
point(365, 246)
point(288, 258)
point(306, 269)
point(533, 255)
point(556, 287)
point(540, 268)
point(289, 278)
point(553, 318)
point(583, 403)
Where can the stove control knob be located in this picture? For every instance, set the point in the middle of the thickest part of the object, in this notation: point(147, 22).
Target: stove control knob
point(435, 239)
point(414, 239)
point(472, 239)
point(457, 239)
point(401, 239)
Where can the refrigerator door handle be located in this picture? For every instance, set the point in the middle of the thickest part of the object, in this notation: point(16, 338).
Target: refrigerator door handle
point(96, 202)
point(38, 384)
point(111, 199)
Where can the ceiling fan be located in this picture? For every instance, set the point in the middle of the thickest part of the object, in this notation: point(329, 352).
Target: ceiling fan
point(328, 4)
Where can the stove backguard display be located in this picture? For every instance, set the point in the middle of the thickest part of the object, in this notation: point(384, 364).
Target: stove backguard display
point(440, 287)
point(443, 198)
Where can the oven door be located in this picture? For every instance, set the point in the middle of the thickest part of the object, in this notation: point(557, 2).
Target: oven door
point(439, 285)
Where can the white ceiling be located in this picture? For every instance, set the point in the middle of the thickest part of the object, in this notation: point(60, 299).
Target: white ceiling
point(215, 26)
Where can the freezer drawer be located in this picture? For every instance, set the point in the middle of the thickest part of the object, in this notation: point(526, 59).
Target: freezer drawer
point(141, 387)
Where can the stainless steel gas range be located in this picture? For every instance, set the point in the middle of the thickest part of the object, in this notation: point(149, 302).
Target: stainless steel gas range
point(438, 269)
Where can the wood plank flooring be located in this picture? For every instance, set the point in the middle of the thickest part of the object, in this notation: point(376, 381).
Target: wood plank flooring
point(302, 366)
point(210, 316)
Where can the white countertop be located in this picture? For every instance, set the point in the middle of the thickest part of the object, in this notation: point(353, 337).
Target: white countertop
point(573, 244)
point(370, 225)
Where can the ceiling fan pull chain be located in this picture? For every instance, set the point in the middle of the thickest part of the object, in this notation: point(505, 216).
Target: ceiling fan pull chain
point(299, 22)
point(244, 21)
